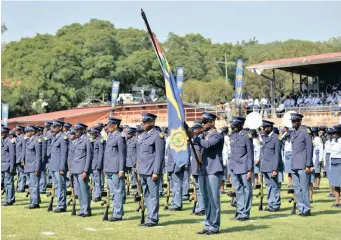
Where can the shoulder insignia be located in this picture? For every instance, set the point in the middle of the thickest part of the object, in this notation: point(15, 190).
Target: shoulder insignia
point(39, 140)
point(12, 141)
point(279, 138)
point(162, 135)
point(123, 135)
point(249, 135)
point(101, 140)
point(45, 138)
point(25, 137)
point(91, 140)
point(65, 137)
point(308, 130)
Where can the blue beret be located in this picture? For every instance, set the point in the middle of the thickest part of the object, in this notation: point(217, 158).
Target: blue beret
point(276, 130)
point(72, 132)
point(67, 125)
point(157, 128)
point(19, 127)
point(30, 129)
point(225, 129)
point(208, 117)
point(315, 129)
point(323, 127)
point(253, 131)
point(113, 120)
point(197, 125)
point(95, 129)
point(296, 116)
point(80, 125)
point(237, 120)
point(11, 132)
point(337, 128)
point(57, 123)
point(139, 128)
point(148, 116)
point(131, 130)
point(100, 125)
point(198, 122)
point(267, 123)
point(48, 124)
point(5, 129)
point(39, 128)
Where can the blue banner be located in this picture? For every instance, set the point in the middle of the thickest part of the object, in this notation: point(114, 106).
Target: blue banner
point(114, 93)
point(180, 79)
point(4, 114)
point(239, 80)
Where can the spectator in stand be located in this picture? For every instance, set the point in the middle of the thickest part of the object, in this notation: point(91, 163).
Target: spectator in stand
point(330, 99)
point(280, 110)
point(249, 105)
point(304, 85)
point(256, 105)
point(300, 100)
point(287, 102)
point(263, 105)
point(307, 100)
point(292, 101)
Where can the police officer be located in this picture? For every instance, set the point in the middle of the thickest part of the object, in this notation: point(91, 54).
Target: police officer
point(114, 164)
point(329, 142)
point(42, 180)
point(57, 165)
point(12, 135)
point(317, 157)
point(150, 155)
point(97, 162)
point(71, 152)
point(19, 147)
point(301, 166)
point(46, 176)
point(272, 166)
point(287, 154)
point(8, 165)
point(200, 208)
point(335, 165)
point(131, 156)
point(67, 128)
point(211, 172)
point(241, 167)
point(81, 166)
point(33, 161)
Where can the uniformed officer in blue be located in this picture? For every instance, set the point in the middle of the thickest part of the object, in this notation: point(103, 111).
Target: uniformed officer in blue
point(197, 130)
point(80, 167)
point(71, 151)
point(211, 172)
point(114, 164)
point(97, 162)
point(8, 165)
point(131, 156)
point(302, 155)
point(67, 128)
point(19, 147)
point(42, 180)
point(46, 176)
point(150, 157)
point(58, 164)
point(272, 166)
point(33, 161)
point(241, 167)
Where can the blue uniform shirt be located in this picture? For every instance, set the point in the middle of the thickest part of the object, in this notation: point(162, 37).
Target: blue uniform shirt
point(241, 152)
point(97, 160)
point(212, 152)
point(131, 152)
point(302, 149)
point(33, 154)
point(58, 151)
point(194, 164)
point(115, 153)
point(19, 147)
point(8, 154)
point(271, 153)
point(83, 150)
point(150, 153)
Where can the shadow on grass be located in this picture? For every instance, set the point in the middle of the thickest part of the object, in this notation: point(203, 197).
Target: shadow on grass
point(326, 212)
point(229, 211)
point(271, 216)
point(139, 217)
point(324, 200)
point(181, 221)
point(243, 228)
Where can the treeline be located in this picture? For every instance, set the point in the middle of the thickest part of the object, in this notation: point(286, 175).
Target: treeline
point(80, 61)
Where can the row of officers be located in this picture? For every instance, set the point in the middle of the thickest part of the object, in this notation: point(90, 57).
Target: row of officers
point(143, 154)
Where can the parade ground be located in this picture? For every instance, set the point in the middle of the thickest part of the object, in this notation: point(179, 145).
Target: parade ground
point(20, 223)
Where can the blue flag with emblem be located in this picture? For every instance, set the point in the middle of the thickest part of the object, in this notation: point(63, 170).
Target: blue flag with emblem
point(114, 93)
point(180, 78)
point(239, 81)
point(4, 114)
point(176, 114)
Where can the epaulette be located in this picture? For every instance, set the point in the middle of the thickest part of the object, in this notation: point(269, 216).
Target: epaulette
point(308, 130)
point(65, 137)
point(91, 140)
point(25, 137)
point(39, 140)
point(13, 141)
point(123, 135)
point(102, 140)
point(279, 138)
point(162, 135)
point(46, 138)
point(249, 135)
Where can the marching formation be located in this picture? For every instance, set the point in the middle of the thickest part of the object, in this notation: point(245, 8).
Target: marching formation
point(115, 161)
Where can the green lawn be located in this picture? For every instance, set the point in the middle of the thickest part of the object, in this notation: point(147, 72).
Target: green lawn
point(20, 223)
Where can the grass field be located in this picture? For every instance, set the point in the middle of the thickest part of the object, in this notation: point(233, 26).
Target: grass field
point(20, 223)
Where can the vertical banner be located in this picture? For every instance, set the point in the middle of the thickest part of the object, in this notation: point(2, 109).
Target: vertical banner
point(239, 81)
point(114, 93)
point(4, 113)
point(180, 78)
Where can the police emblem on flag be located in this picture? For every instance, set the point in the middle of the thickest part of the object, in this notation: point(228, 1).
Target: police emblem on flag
point(115, 85)
point(178, 140)
point(180, 71)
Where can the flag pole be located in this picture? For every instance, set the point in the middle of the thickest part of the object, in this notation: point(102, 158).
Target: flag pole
point(155, 49)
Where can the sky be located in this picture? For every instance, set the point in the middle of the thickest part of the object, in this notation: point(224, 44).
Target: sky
point(219, 21)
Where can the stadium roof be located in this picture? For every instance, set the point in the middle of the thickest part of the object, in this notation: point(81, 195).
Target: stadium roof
point(307, 64)
point(75, 112)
